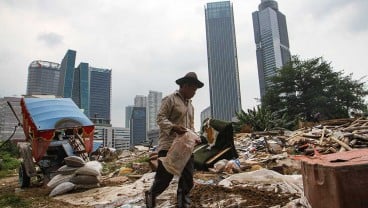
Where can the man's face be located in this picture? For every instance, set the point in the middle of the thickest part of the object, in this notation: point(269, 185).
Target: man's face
point(189, 90)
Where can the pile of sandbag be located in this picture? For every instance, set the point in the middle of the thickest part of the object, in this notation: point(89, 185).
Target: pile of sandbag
point(75, 174)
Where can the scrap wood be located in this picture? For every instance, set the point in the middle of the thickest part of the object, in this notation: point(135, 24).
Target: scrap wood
point(347, 147)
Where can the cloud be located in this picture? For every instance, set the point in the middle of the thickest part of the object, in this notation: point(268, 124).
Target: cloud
point(50, 39)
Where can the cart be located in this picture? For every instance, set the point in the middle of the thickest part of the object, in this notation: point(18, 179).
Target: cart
point(54, 128)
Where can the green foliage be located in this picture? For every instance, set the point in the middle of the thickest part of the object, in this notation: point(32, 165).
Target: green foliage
point(13, 201)
point(8, 160)
point(261, 119)
point(303, 88)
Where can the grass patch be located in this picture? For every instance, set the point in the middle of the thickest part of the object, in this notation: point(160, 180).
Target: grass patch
point(12, 201)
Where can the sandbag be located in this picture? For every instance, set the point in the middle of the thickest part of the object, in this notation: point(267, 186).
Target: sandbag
point(84, 179)
point(92, 168)
point(180, 152)
point(74, 161)
point(58, 179)
point(66, 170)
point(87, 186)
point(62, 188)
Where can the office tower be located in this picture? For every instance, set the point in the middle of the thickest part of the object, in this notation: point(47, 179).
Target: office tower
point(222, 61)
point(128, 115)
point(81, 87)
point(138, 126)
point(272, 42)
point(140, 101)
point(43, 78)
point(100, 96)
point(67, 74)
point(153, 106)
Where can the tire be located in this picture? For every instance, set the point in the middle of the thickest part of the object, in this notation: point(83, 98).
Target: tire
point(24, 179)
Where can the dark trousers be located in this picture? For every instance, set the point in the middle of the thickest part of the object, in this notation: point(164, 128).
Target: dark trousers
point(163, 178)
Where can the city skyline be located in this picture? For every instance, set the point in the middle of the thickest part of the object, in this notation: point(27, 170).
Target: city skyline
point(148, 51)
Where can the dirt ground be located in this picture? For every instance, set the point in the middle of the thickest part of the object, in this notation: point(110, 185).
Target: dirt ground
point(202, 195)
point(33, 197)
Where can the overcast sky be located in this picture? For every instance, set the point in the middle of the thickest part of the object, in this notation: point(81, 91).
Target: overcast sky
point(149, 44)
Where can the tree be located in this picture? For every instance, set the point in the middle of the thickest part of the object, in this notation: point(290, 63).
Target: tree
point(304, 88)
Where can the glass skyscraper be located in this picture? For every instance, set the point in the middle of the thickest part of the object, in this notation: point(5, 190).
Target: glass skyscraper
point(67, 74)
point(272, 42)
point(138, 126)
point(81, 87)
point(100, 95)
point(43, 78)
point(222, 60)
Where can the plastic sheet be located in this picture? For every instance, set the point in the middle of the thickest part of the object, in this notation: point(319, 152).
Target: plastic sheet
point(180, 152)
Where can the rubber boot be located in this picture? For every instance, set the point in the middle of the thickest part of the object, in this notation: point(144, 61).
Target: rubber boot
point(183, 200)
point(150, 200)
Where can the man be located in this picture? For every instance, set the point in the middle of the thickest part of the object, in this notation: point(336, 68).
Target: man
point(175, 116)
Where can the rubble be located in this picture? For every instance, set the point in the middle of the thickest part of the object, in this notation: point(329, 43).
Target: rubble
point(265, 173)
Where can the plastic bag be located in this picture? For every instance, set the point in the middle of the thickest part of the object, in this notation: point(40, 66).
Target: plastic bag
point(180, 152)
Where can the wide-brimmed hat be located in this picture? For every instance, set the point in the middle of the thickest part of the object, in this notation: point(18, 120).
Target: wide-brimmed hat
point(191, 78)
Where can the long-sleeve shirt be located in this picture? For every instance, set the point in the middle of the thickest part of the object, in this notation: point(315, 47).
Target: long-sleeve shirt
point(175, 110)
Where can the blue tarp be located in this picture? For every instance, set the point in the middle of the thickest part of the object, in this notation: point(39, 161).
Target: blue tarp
point(47, 112)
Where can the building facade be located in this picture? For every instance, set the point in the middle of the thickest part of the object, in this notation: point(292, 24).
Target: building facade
point(128, 115)
point(272, 42)
point(81, 87)
point(67, 74)
point(43, 78)
point(115, 137)
point(153, 106)
point(100, 96)
point(206, 113)
point(222, 61)
point(138, 126)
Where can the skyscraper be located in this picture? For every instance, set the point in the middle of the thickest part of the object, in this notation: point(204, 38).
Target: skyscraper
point(128, 115)
point(43, 78)
point(67, 74)
point(153, 106)
point(222, 60)
point(100, 95)
point(272, 41)
point(138, 130)
point(140, 101)
point(81, 87)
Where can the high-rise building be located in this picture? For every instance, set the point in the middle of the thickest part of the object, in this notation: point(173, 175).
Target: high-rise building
point(67, 74)
point(81, 87)
point(43, 78)
point(128, 115)
point(153, 106)
point(222, 60)
point(100, 96)
point(140, 101)
point(272, 42)
point(138, 130)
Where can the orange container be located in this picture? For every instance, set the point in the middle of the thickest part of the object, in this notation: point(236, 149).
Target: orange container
point(337, 180)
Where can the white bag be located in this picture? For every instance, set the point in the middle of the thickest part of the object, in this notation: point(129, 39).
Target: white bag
point(180, 152)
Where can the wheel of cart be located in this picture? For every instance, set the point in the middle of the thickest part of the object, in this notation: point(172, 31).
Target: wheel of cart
point(54, 129)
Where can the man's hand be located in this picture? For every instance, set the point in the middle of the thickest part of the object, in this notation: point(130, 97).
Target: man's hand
point(179, 129)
